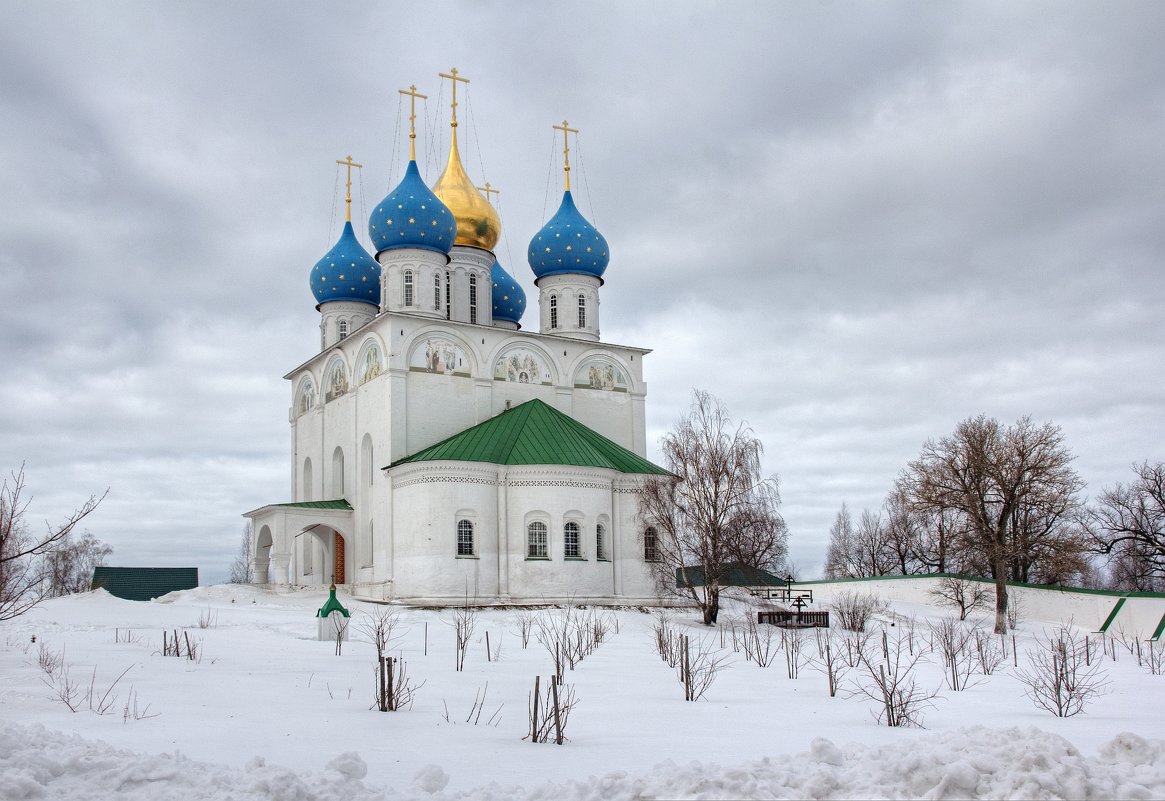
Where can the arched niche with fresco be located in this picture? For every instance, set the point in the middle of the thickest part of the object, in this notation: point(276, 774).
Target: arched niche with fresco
point(522, 365)
point(602, 374)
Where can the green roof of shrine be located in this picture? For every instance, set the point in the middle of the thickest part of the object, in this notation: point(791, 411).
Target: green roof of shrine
point(534, 433)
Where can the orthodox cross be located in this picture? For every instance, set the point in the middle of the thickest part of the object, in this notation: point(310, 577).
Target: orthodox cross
point(348, 199)
point(413, 95)
point(488, 190)
point(454, 77)
point(566, 132)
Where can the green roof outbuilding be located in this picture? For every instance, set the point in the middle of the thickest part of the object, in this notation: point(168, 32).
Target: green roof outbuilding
point(144, 583)
point(534, 433)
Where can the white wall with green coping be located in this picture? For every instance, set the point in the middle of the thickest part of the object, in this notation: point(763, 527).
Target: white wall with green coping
point(1139, 616)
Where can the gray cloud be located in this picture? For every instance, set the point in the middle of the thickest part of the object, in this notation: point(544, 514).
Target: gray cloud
point(855, 224)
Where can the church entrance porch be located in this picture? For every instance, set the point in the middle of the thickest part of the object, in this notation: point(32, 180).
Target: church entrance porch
point(303, 543)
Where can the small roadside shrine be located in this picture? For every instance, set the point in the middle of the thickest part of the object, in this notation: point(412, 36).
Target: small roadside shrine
point(333, 618)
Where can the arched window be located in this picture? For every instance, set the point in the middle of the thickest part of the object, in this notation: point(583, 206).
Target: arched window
point(650, 545)
point(338, 473)
point(464, 538)
point(571, 548)
point(366, 463)
point(536, 541)
point(448, 296)
point(436, 292)
point(473, 298)
point(582, 311)
point(600, 542)
point(343, 329)
point(554, 311)
point(408, 287)
point(307, 486)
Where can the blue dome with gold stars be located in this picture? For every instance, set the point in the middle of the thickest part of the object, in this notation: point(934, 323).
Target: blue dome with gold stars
point(509, 298)
point(411, 216)
point(346, 272)
point(568, 244)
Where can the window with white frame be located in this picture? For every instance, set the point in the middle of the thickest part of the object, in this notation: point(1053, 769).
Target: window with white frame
point(408, 287)
point(554, 311)
point(600, 542)
point(582, 311)
point(473, 298)
point(448, 295)
point(436, 292)
point(343, 329)
point(571, 548)
point(650, 545)
point(536, 541)
point(464, 538)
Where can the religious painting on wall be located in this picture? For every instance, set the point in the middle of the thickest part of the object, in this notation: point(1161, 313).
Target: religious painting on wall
point(601, 374)
point(337, 382)
point(307, 394)
point(522, 366)
point(440, 356)
point(371, 368)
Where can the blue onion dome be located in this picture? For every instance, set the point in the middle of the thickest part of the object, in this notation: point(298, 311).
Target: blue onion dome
point(411, 216)
point(346, 272)
point(509, 298)
point(568, 244)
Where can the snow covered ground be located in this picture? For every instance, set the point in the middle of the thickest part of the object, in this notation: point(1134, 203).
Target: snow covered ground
point(270, 712)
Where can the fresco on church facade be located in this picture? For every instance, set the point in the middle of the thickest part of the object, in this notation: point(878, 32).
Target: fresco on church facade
point(522, 366)
point(337, 383)
point(440, 356)
point(600, 374)
point(371, 368)
point(307, 394)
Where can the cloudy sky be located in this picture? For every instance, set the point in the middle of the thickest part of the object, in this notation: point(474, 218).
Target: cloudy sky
point(855, 223)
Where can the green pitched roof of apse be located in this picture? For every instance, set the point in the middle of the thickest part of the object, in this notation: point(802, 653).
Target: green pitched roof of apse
point(534, 433)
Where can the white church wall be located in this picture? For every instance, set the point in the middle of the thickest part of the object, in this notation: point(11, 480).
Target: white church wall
point(427, 503)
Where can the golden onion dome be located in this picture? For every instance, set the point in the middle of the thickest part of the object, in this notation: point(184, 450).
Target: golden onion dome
point(478, 225)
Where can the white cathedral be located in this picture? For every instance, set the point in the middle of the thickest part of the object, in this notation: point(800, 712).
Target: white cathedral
point(441, 452)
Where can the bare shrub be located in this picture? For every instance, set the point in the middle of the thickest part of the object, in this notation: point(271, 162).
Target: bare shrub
point(667, 642)
point(761, 642)
point(989, 653)
point(133, 711)
point(964, 594)
point(524, 621)
point(49, 661)
point(65, 689)
point(549, 711)
point(1058, 677)
point(698, 668)
point(1155, 658)
point(855, 610)
point(892, 684)
point(792, 644)
point(395, 690)
point(829, 659)
point(464, 624)
point(570, 635)
point(207, 619)
point(956, 644)
point(1015, 611)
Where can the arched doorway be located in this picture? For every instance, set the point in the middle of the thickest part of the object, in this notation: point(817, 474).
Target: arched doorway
point(339, 562)
point(324, 556)
point(262, 557)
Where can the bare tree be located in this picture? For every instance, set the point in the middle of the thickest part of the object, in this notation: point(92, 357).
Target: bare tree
point(23, 566)
point(1128, 525)
point(243, 568)
point(840, 556)
point(989, 474)
point(964, 594)
point(715, 511)
point(69, 568)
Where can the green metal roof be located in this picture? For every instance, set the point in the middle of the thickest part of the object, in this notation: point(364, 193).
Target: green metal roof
point(339, 503)
point(332, 605)
point(144, 583)
point(534, 433)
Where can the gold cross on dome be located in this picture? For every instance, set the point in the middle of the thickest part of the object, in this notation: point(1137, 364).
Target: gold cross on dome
point(454, 77)
point(566, 132)
point(488, 190)
point(348, 198)
point(413, 95)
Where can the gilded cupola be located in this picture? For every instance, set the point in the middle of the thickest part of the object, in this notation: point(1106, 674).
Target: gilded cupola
point(478, 225)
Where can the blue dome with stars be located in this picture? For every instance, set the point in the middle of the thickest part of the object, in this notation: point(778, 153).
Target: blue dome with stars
point(509, 298)
point(347, 272)
point(568, 244)
point(411, 216)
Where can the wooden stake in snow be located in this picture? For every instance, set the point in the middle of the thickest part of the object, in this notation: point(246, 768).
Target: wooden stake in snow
point(557, 718)
point(534, 717)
